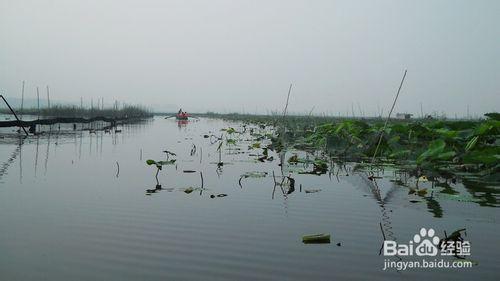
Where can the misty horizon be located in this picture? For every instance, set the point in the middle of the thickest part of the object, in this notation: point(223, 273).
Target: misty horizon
point(342, 57)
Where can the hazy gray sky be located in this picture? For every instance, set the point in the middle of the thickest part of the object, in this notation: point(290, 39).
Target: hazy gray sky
point(234, 55)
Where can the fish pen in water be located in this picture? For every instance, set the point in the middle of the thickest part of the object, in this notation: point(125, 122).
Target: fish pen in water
point(61, 118)
point(61, 124)
point(68, 118)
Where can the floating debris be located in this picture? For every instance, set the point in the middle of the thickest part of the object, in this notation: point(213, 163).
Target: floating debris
point(321, 238)
point(254, 175)
point(160, 163)
point(312, 190)
point(422, 192)
point(218, 195)
point(191, 189)
point(254, 145)
point(419, 192)
point(294, 159)
point(169, 162)
point(229, 130)
point(423, 179)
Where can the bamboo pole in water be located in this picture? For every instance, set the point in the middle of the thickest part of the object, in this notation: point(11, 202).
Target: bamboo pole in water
point(388, 117)
point(287, 99)
point(13, 112)
point(22, 100)
point(48, 97)
point(38, 101)
point(285, 110)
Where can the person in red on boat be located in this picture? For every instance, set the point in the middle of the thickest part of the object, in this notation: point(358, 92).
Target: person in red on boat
point(182, 114)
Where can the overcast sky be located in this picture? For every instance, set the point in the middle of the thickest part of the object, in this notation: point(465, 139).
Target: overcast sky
point(236, 55)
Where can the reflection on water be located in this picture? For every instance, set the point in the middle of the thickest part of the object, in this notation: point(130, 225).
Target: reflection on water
point(182, 123)
point(75, 208)
point(15, 153)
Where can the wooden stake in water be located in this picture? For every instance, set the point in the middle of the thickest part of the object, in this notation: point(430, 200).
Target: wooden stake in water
point(388, 117)
point(22, 100)
point(282, 133)
point(287, 99)
point(48, 97)
point(38, 101)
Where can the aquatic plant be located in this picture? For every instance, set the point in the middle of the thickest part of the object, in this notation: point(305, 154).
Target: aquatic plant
point(427, 143)
point(159, 166)
point(443, 146)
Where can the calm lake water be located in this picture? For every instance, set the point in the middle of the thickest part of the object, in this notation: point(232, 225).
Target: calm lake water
point(67, 214)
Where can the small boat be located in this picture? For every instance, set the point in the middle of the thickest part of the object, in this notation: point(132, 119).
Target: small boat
point(182, 115)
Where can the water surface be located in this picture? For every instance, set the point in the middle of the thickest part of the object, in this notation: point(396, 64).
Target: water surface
point(66, 213)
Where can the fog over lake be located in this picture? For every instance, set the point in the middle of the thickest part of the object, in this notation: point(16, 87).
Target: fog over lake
point(249, 140)
point(242, 55)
